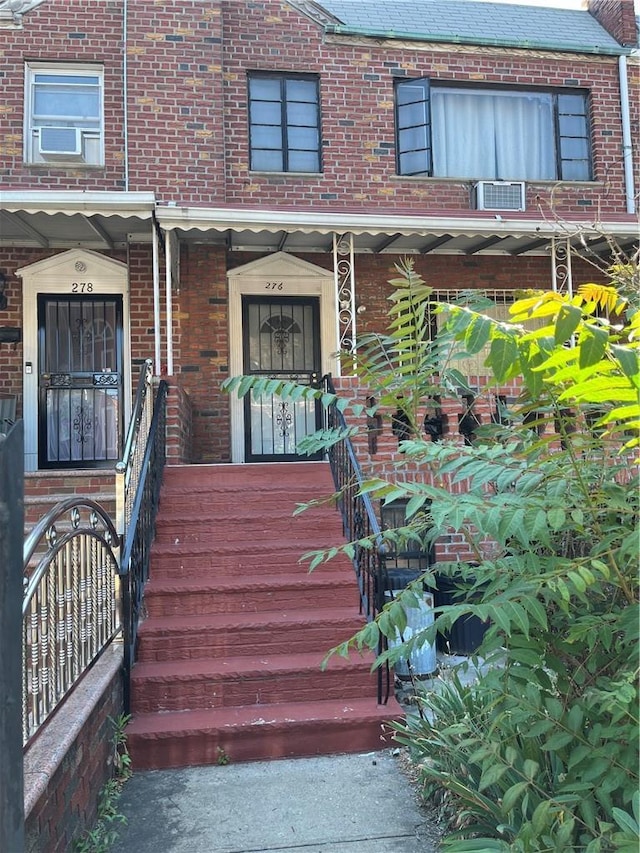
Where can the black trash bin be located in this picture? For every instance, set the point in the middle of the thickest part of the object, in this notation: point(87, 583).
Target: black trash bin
point(467, 632)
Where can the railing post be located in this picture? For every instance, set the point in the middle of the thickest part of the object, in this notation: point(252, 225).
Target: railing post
point(11, 527)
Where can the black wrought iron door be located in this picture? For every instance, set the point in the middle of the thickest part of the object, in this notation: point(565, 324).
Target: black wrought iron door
point(281, 339)
point(80, 381)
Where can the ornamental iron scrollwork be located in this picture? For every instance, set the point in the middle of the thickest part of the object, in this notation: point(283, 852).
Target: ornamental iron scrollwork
point(280, 327)
point(344, 270)
point(60, 380)
point(561, 266)
point(106, 380)
point(284, 419)
point(82, 425)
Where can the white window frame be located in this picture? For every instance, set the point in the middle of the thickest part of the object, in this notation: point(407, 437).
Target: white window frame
point(91, 131)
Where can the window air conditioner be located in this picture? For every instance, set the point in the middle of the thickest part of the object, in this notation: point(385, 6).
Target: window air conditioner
point(499, 195)
point(60, 142)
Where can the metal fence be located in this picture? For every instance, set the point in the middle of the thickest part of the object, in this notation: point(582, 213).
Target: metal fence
point(359, 521)
point(71, 609)
point(84, 575)
point(140, 528)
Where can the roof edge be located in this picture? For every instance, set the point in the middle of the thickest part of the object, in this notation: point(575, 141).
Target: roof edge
point(341, 29)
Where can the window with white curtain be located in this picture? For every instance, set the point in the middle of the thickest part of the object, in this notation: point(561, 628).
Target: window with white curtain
point(491, 133)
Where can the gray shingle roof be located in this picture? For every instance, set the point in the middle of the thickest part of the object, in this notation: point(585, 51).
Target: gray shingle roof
point(475, 23)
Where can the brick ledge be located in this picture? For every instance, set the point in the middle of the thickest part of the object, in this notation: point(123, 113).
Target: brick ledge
point(46, 754)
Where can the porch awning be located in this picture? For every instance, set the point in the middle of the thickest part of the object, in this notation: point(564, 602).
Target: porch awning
point(66, 219)
point(108, 220)
point(265, 230)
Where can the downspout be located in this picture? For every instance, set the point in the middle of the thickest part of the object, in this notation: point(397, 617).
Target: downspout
point(125, 94)
point(156, 296)
point(168, 256)
point(627, 149)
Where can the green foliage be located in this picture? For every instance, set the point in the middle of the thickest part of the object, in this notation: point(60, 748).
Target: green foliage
point(222, 758)
point(541, 752)
point(104, 834)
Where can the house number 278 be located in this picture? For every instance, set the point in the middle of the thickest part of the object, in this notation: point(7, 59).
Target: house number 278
point(82, 287)
point(274, 285)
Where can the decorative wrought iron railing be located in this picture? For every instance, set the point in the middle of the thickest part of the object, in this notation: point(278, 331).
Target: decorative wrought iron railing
point(359, 520)
point(71, 605)
point(129, 468)
point(141, 507)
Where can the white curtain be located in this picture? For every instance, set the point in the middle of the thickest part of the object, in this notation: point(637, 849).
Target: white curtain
point(487, 135)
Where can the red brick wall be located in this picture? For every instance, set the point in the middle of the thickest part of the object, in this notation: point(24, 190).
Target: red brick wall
point(68, 805)
point(202, 348)
point(356, 84)
point(176, 146)
point(187, 106)
point(618, 17)
point(179, 424)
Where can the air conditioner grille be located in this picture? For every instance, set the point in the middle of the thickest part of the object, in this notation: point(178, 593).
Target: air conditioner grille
point(60, 141)
point(500, 195)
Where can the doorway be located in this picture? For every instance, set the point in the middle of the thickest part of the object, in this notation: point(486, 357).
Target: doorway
point(80, 380)
point(281, 340)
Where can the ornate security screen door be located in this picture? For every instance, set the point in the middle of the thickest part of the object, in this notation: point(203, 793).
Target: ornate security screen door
point(281, 338)
point(80, 381)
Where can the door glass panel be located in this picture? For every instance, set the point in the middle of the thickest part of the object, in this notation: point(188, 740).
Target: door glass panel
point(80, 381)
point(281, 342)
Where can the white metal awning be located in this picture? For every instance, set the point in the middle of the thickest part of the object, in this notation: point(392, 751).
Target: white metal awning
point(108, 220)
point(66, 219)
point(266, 230)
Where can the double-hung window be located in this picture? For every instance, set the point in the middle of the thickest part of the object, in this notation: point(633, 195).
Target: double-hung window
point(451, 131)
point(64, 114)
point(284, 123)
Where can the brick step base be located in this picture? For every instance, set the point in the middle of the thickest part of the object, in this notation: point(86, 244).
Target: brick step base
point(258, 732)
point(236, 681)
point(248, 594)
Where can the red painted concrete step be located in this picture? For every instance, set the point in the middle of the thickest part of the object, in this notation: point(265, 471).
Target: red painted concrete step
point(195, 559)
point(275, 632)
point(246, 594)
point(259, 732)
point(236, 681)
point(229, 654)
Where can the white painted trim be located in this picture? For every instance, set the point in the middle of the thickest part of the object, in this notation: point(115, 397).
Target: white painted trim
point(55, 275)
point(101, 203)
point(303, 221)
point(298, 278)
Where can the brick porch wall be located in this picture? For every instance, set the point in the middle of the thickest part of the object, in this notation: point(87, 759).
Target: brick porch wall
point(382, 459)
point(71, 760)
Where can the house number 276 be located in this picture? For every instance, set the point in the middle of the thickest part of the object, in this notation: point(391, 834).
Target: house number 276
point(274, 285)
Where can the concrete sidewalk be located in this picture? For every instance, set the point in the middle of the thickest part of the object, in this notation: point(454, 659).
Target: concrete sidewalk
point(336, 804)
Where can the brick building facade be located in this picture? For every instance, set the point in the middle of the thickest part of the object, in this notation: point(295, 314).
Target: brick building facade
point(168, 176)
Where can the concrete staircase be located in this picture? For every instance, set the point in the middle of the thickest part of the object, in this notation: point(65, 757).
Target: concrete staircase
point(228, 664)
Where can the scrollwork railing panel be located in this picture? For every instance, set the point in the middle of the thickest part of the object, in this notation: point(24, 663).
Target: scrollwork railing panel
point(71, 606)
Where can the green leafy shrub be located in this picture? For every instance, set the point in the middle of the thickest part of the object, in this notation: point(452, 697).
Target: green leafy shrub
point(541, 752)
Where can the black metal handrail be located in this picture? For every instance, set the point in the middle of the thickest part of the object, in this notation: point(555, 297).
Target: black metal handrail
point(129, 467)
point(70, 610)
point(140, 530)
point(359, 521)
